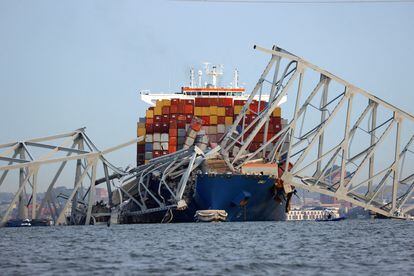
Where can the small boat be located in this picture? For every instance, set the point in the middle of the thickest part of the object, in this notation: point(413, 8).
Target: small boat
point(211, 215)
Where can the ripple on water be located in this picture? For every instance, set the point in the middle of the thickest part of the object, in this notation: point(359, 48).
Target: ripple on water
point(302, 248)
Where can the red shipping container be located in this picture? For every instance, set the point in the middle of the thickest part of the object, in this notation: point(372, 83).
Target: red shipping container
point(166, 110)
point(149, 128)
point(141, 148)
point(181, 106)
point(188, 118)
point(206, 120)
point(213, 102)
point(181, 118)
point(173, 141)
point(164, 152)
point(196, 126)
point(173, 117)
point(174, 109)
point(180, 124)
point(188, 109)
point(229, 111)
point(165, 119)
point(173, 132)
point(189, 102)
point(270, 135)
point(157, 128)
point(275, 120)
point(172, 149)
point(149, 120)
point(173, 124)
point(165, 128)
point(199, 102)
point(156, 153)
point(225, 102)
point(221, 120)
point(239, 102)
point(175, 101)
point(158, 118)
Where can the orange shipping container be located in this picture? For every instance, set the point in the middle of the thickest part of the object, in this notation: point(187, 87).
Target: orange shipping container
point(213, 110)
point(277, 112)
point(221, 111)
point(205, 111)
point(172, 149)
point(213, 120)
point(188, 109)
point(228, 120)
point(198, 111)
point(157, 110)
point(172, 141)
point(173, 132)
point(149, 113)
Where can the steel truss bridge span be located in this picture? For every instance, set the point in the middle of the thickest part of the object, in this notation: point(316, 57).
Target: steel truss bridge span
point(23, 161)
point(340, 140)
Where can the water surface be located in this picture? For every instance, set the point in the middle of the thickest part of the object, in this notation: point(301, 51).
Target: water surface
point(359, 247)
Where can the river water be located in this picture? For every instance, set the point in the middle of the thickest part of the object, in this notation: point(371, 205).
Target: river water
point(359, 247)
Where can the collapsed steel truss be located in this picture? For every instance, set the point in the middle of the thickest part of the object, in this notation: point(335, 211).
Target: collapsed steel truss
point(75, 146)
point(324, 147)
point(171, 174)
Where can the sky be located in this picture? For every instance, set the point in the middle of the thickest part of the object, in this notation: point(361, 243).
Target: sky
point(71, 64)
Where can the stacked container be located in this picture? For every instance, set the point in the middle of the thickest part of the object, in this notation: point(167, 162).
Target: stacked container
point(175, 124)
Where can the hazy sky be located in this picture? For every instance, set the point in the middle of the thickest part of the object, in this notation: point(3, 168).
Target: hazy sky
point(68, 64)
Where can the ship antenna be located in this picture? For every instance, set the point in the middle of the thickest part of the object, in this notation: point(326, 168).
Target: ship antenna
point(200, 74)
point(236, 78)
point(192, 77)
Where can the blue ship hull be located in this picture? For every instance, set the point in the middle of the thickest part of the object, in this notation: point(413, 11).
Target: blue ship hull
point(243, 197)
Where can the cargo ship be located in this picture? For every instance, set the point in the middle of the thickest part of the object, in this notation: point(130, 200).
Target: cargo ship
point(200, 115)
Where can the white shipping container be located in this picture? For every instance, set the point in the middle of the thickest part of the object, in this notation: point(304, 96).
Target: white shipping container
point(157, 137)
point(221, 128)
point(164, 137)
point(156, 146)
point(202, 146)
point(212, 130)
point(164, 145)
point(148, 138)
point(192, 133)
point(189, 141)
point(204, 139)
